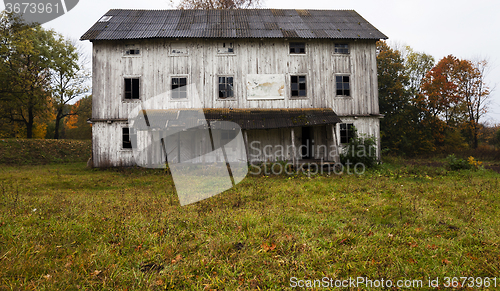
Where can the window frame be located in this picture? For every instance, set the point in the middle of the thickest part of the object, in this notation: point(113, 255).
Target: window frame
point(221, 45)
point(124, 91)
point(217, 89)
point(349, 130)
point(336, 85)
point(339, 51)
point(295, 53)
point(172, 47)
point(171, 83)
point(127, 145)
point(291, 89)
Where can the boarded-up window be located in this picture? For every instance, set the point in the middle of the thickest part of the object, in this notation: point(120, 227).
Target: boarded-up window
point(225, 48)
point(341, 48)
point(226, 87)
point(297, 47)
point(131, 88)
point(179, 87)
point(346, 132)
point(298, 86)
point(343, 86)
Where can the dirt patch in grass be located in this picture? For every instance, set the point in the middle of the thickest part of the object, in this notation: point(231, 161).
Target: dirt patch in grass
point(43, 151)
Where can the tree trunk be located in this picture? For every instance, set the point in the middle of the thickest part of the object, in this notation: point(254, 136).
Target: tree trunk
point(29, 124)
point(58, 121)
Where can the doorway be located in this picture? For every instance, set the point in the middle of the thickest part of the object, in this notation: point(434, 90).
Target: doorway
point(307, 143)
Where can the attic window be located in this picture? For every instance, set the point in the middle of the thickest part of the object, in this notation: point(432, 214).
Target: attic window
point(341, 48)
point(105, 18)
point(346, 132)
point(133, 52)
point(297, 48)
point(225, 48)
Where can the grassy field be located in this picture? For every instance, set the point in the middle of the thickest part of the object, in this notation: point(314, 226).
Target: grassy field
point(67, 227)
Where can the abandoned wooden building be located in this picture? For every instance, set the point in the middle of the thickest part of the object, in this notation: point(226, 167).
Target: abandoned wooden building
point(288, 78)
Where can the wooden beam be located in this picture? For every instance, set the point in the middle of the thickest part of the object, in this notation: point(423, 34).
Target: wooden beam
point(292, 132)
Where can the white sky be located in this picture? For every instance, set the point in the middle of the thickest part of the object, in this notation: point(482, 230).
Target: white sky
point(462, 28)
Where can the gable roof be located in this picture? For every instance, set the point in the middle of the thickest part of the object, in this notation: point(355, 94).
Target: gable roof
point(238, 23)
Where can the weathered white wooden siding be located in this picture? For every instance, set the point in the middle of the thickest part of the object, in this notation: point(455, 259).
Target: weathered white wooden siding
point(201, 64)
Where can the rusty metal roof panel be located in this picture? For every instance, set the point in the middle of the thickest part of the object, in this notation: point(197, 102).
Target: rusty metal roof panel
point(242, 23)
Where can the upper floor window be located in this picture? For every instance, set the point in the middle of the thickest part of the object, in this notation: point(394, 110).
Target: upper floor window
point(298, 86)
point(131, 88)
point(346, 132)
point(179, 87)
point(225, 48)
point(179, 49)
point(341, 48)
point(343, 85)
point(226, 87)
point(297, 48)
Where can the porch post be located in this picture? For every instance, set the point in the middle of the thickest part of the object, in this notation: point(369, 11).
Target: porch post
point(245, 138)
point(336, 158)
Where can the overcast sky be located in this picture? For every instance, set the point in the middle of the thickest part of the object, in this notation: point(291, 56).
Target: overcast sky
point(462, 28)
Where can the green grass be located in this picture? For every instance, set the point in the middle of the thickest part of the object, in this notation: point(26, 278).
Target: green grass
point(66, 227)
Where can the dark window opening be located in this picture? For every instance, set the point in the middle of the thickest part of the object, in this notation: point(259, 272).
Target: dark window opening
point(179, 88)
point(346, 132)
point(341, 48)
point(307, 143)
point(298, 86)
point(133, 52)
point(128, 138)
point(343, 86)
point(226, 87)
point(131, 88)
point(297, 48)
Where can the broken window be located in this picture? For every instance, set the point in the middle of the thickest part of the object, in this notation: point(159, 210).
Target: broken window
point(341, 48)
point(226, 87)
point(131, 88)
point(128, 137)
point(133, 52)
point(346, 132)
point(225, 48)
point(297, 47)
point(343, 86)
point(298, 86)
point(179, 87)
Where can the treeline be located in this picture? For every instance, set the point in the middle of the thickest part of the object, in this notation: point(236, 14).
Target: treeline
point(431, 107)
point(41, 75)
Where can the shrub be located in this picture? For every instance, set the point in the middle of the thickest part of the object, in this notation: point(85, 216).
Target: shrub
point(455, 163)
point(360, 149)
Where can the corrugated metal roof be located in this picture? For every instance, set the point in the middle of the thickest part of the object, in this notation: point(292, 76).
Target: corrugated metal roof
point(245, 118)
point(240, 23)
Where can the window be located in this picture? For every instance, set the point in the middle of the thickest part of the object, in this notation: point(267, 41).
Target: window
point(297, 48)
point(133, 52)
point(346, 132)
point(298, 85)
point(341, 48)
point(179, 87)
point(131, 88)
point(225, 48)
point(343, 87)
point(179, 49)
point(226, 87)
point(128, 137)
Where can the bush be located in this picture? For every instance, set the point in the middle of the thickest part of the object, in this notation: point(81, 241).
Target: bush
point(455, 163)
point(360, 149)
